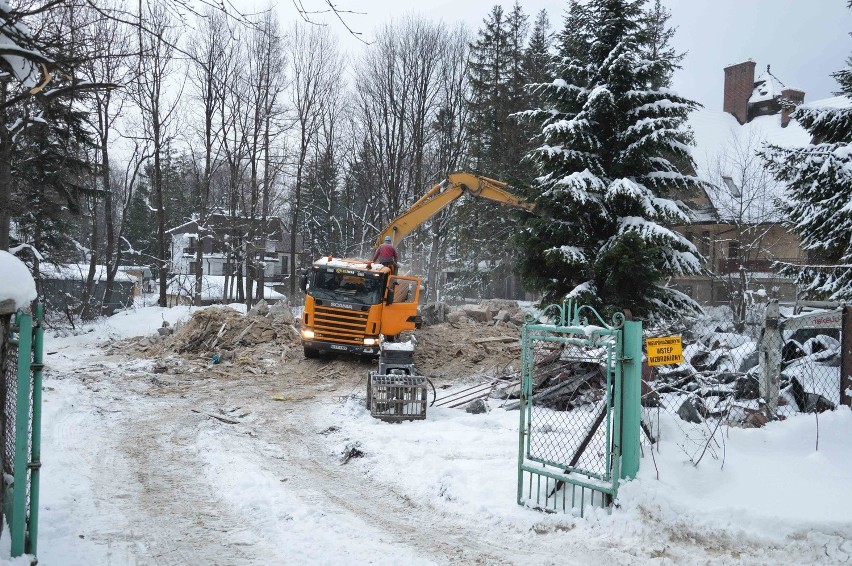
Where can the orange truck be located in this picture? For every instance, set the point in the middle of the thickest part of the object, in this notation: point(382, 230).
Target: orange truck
point(351, 303)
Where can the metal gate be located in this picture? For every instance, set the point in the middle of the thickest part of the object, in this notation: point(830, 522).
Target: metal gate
point(22, 344)
point(579, 408)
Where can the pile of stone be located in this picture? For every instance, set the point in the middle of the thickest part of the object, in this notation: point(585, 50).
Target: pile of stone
point(495, 312)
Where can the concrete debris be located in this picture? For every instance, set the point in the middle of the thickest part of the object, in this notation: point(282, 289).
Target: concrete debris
point(259, 309)
point(434, 313)
point(476, 407)
point(281, 314)
point(689, 412)
point(352, 450)
point(755, 419)
point(478, 313)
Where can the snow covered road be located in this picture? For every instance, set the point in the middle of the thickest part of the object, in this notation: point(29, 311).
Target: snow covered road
point(193, 466)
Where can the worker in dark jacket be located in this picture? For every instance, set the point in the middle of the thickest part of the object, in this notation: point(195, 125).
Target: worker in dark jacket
point(386, 255)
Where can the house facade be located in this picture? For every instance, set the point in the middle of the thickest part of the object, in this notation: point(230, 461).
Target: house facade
point(737, 227)
point(225, 246)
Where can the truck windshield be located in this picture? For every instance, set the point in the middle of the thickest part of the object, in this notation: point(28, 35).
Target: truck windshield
point(347, 285)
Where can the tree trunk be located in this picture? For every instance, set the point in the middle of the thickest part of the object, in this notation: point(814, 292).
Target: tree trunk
point(161, 212)
point(199, 265)
point(5, 174)
point(110, 262)
point(85, 299)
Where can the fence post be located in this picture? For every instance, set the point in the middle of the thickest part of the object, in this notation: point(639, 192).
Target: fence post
point(522, 408)
point(846, 357)
point(18, 520)
point(631, 393)
point(771, 342)
point(35, 455)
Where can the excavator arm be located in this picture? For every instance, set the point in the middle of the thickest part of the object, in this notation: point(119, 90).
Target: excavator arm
point(444, 193)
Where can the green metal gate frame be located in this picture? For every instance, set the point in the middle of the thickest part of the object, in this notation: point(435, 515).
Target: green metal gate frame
point(21, 497)
point(622, 341)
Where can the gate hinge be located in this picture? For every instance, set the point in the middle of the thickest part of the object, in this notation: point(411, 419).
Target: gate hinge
point(34, 465)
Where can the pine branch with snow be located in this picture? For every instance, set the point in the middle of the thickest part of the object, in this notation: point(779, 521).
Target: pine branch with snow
point(611, 162)
point(817, 201)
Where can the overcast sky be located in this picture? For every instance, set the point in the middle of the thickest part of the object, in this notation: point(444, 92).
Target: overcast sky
point(803, 40)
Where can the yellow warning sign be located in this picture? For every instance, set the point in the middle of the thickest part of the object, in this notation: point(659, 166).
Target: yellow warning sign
point(664, 350)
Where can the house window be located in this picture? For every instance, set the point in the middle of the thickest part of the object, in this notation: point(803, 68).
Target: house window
point(732, 187)
point(733, 250)
point(192, 267)
point(704, 248)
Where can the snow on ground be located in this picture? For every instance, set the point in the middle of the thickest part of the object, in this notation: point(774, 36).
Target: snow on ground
point(773, 488)
point(135, 473)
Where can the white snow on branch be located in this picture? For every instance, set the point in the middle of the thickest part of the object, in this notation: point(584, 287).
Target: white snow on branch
point(570, 254)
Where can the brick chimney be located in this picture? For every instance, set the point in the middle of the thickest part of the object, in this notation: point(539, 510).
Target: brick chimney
point(739, 84)
point(791, 97)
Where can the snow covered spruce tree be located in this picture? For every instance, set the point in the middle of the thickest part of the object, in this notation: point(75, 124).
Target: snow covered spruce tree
point(818, 199)
point(609, 162)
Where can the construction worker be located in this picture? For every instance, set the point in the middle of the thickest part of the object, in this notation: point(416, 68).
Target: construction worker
point(386, 255)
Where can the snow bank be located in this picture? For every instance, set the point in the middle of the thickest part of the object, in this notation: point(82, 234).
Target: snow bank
point(767, 486)
point(16, 283)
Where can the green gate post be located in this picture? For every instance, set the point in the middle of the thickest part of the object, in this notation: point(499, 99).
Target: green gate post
point(631, 394)
point(18, 520)
point(35, 457)
point(522, 410)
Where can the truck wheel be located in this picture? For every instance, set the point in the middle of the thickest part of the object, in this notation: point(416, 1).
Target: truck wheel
point(311, 353)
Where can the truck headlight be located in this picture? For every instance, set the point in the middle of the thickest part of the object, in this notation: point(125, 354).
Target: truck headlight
point(307, 334)
point(371, 341)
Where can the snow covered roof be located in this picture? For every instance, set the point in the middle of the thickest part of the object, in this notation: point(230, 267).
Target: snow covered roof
point(833, 102)
point(766, 87)
point(79, 272)
point(723, 147)
point(17, 288)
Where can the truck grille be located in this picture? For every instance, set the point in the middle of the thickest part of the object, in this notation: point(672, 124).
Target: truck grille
point(340, 325)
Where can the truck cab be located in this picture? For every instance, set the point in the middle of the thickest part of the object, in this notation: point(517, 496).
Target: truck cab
point(351, 303)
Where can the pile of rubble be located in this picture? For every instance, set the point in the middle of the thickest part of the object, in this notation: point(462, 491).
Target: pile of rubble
point(460, 341)
point(222, 331)
point(496, 312)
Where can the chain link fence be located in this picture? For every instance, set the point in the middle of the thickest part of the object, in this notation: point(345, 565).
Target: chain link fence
point(773, 365)
point(569, 405)
point(8, 402)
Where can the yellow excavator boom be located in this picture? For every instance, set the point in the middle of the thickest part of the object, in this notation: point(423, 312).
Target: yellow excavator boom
point(444, 193)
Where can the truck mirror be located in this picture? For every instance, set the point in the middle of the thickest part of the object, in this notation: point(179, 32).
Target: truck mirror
point(390, 294)
point(303, 281)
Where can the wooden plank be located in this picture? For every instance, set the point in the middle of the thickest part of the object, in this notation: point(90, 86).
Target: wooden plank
point(569, 386)
point(217, 417)
point(503, 339)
